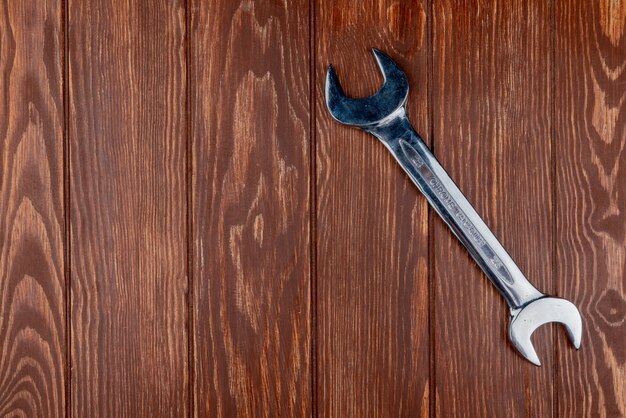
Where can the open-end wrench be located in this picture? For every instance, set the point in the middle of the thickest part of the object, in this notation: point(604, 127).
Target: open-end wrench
point(384, 116)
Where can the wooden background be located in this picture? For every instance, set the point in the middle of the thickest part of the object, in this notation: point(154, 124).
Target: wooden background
point(185, 232)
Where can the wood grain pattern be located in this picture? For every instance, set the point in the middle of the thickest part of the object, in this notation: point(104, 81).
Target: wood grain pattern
point(128, 208)
point(491, 110)
point(233, 251)
point(251, 238)
point(372, 241)
point(590, 96)
point(32, 283)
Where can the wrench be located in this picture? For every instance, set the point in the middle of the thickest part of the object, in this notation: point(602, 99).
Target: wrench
point(384, 116)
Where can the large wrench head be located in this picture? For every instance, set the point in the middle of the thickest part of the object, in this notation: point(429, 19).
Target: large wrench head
point(373, 110)
point(539, 312)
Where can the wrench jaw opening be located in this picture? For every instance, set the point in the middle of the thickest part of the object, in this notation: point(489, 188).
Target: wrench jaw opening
point(373, 110)
point(538, 312)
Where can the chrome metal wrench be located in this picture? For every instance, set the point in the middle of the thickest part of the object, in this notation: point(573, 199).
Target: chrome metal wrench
point(384, 116)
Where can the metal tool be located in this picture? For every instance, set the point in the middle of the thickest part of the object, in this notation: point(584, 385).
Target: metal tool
point(384, 116)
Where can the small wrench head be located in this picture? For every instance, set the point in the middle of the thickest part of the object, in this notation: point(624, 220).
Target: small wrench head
point(373, 110)
point(538, 312)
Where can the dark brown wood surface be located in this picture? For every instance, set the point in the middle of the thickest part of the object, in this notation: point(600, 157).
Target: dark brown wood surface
point(250, 229)
point(184, 230)
point(32, 211)
point(590, 134)
point(127, 175)
point(372, 283)
point(491, 131)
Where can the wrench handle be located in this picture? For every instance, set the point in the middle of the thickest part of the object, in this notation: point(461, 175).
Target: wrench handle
point(449, 202)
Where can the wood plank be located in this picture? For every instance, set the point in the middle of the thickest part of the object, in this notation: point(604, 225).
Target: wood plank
point(590, 96)
point(251, 208)
point(372, 249)
point(32, 268)
point(492, 130)
point(128, 208)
